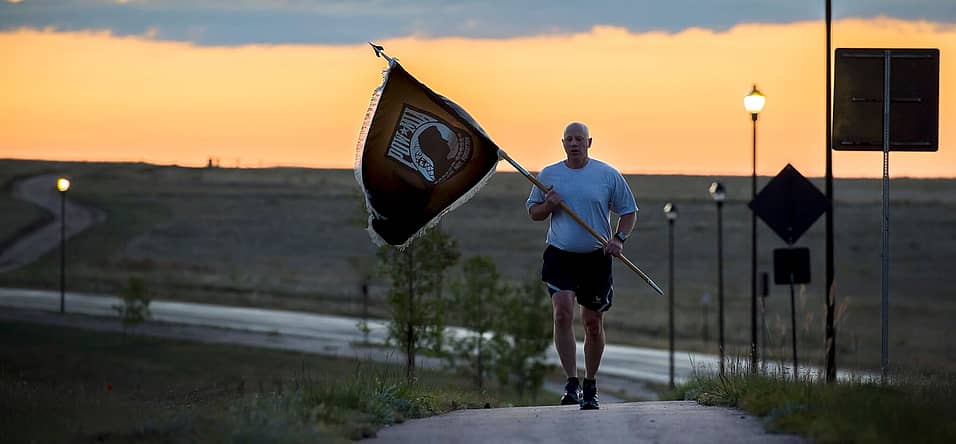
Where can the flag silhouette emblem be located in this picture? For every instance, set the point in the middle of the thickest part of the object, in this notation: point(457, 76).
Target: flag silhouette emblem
point(429, 145)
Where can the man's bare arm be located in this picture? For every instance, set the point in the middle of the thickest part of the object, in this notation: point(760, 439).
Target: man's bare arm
point(626, 223)
point(544, 209)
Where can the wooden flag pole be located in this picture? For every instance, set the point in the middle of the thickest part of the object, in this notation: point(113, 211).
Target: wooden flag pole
point(502, 154)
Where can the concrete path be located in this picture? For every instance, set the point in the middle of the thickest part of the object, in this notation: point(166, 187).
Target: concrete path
point(636, 422)
point(41, 191)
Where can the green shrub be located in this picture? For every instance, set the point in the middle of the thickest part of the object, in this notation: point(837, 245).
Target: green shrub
point(134, 309)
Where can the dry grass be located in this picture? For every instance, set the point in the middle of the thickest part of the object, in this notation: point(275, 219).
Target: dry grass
point(283, 238)
point(910, 408)
point(67, 385)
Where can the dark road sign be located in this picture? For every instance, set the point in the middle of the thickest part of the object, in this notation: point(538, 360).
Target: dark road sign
point(787, 261)
point(789, 204)
point(858, 99)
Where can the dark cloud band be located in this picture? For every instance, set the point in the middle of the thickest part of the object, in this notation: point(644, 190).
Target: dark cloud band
point(339, 22)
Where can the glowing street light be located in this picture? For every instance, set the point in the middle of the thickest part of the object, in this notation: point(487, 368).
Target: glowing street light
point(62, 185)
point(753, 103)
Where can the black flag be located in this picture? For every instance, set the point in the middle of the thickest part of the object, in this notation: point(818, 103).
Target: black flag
point(419, 156)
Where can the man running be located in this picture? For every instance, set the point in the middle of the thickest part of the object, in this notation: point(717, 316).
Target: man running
point(576, 266)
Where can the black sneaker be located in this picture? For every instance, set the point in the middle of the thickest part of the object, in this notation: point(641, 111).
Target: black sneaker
point(572, 393)
point(590, 399)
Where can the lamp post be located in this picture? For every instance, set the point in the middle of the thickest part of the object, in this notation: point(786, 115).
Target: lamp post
point(670, 210)
point(62, 185)
point(718, 194)
point(753, 103)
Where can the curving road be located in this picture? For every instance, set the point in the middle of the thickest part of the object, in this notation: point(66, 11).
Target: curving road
point(337, 335)
point(41, 191)
point(334, 332)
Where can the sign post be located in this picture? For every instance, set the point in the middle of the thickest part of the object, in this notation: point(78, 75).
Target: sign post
point(790, 204)
point(886, 100)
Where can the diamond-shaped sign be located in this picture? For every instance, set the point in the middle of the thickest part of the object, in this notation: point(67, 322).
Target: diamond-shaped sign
point(789, 204)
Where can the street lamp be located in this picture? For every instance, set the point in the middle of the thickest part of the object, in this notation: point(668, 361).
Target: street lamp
point(718, 194)
point(670, 210)
point(62, 185)
point(753, 103)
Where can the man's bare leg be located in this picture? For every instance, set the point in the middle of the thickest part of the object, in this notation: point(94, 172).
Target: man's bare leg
point(564, 344)
point(593, 340)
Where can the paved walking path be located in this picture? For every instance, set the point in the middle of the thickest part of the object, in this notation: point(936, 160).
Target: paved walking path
point(635, 422)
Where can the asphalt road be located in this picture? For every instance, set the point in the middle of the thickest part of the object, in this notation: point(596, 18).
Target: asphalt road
point(336, 332)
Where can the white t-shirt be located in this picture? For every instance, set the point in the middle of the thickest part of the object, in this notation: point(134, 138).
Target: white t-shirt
point(592, 192)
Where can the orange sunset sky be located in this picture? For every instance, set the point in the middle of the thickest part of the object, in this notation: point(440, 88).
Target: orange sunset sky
point(656, 101)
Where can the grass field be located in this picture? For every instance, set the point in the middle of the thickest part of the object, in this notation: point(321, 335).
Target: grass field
point(912, 408)
point(67, 385)
point(285, 238)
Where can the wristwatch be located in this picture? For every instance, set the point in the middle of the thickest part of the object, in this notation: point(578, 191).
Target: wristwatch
point(621, 236)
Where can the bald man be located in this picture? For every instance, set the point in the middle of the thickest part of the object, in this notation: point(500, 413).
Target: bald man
point(576, 266)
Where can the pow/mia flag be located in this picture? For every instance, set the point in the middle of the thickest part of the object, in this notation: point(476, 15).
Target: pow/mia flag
point(419, 156)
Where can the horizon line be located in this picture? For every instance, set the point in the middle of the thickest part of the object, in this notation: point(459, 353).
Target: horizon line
point(508, 170)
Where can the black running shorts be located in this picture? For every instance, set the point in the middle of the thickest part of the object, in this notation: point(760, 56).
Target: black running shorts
point(588, 275)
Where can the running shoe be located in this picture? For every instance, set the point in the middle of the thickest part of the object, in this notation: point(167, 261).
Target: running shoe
point(590, 399)
point(572, 393)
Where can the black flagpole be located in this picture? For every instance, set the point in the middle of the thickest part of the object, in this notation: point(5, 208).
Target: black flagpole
point(830, 340)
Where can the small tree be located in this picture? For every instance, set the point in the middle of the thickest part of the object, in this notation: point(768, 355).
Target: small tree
point(522, 335)
point(476, 298)
point(416, 275)
point(135, 307)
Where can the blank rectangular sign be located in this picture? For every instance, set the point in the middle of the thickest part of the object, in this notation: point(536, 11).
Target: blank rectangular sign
point(858, 99)
point(791, 261)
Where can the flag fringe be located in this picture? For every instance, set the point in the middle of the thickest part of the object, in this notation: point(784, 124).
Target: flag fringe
point(360, 146)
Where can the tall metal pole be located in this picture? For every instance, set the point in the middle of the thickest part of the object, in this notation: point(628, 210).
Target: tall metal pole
point(793, 329)
point(720, 283)
point(884, 358)
point(62, 252)
point(763, 333)
point(753, 254)
point(830, 296)
point(670, 301)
